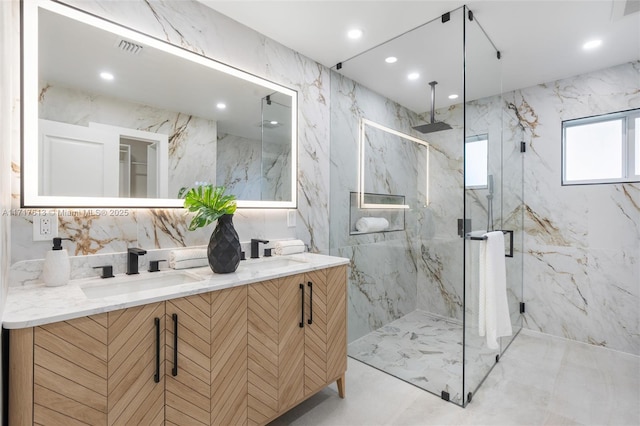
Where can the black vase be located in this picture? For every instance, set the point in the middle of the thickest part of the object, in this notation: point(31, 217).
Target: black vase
point(224, 246)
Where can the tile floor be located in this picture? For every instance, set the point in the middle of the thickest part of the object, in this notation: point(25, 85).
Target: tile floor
point(426, 351)
point(541, 380)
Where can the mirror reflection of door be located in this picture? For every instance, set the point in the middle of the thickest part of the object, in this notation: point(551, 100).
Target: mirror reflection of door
point(152, 170)
point(101, 159)
point(143, 161)
point(142, 182)
point(76, 161)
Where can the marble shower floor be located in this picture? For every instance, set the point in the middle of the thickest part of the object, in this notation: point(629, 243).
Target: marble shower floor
point(426, 351)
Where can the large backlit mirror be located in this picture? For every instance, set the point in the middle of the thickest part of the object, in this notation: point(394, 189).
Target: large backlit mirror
point(116, 118)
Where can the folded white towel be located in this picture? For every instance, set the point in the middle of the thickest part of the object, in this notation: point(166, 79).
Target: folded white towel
point(493, 314)
point(191, 263)
point(288, 247)
point(287, 243)
point(372, 224)
point(290, 250)
point(186, 254)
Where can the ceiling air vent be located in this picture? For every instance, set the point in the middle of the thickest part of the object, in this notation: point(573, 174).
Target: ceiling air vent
point(127, 46)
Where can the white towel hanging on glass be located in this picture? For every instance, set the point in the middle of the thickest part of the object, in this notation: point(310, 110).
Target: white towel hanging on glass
point(493, 314)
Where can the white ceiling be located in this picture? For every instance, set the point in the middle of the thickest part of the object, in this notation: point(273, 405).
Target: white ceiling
point(540, 41)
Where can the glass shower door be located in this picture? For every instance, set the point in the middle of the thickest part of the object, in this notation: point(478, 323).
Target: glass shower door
point(493, 201)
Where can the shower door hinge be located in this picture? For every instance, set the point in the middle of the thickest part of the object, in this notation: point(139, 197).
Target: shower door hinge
point(470, 15)
point(445, 18)
point(339, 66)
point(522, 307)
point(444, 395)
point(523, 146)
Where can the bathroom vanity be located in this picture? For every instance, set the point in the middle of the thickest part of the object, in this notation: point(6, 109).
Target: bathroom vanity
point(201, 348)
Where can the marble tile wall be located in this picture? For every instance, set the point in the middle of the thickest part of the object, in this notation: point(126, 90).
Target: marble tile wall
point(387, 268)
point(193, 26)
point(239, 167)
point(582, 243)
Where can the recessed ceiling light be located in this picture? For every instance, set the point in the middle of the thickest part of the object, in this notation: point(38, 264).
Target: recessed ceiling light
point(221, 105)
point(391, 60)
point(106, 76)
point(591, 44)
point(274, 122)
point(453, 96)
point(354, 34)
point(413, 76)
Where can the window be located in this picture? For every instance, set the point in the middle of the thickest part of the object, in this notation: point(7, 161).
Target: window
point(476, 161)
point(601, 149)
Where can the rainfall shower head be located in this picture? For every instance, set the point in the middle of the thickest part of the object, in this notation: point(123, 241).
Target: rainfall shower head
point(434, 126)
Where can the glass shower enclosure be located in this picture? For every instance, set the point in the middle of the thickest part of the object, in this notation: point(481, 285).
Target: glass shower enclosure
point(418, 176)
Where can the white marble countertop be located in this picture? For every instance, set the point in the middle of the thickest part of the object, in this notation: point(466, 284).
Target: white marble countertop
point(35, 304)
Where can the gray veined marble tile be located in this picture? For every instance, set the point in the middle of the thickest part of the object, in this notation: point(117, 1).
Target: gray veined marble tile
point(426, 351)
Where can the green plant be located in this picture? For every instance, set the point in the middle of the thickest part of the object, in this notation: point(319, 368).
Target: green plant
point(208, 202)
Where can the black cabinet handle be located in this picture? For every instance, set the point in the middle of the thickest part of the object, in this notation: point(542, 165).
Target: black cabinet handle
point(302, 307)
point(156, 377)
point(174, 371)
point(310, 320)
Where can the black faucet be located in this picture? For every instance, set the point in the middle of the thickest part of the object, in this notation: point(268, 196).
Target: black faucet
point(154, 265)
point(254, 247)
point(132, 259)
point(107, 271)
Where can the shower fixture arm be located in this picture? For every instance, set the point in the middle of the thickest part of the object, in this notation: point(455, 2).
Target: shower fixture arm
point(433, 100)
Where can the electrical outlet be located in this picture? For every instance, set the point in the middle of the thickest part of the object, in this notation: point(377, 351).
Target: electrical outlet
point(45, 228)
point(291, 218)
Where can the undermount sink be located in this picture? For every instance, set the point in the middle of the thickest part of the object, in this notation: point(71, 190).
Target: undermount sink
point(135, 283)
point(267, 263)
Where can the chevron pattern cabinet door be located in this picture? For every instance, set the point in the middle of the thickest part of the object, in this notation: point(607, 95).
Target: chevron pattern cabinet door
point(229, 387)
point(290, 341)
point(262, 347)
point(133, 396)
point(70, 372)
point(188, 393)
point(336, 322)
point(315, 338)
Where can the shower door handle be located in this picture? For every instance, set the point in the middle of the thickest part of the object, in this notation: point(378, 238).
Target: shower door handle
point(510, 243)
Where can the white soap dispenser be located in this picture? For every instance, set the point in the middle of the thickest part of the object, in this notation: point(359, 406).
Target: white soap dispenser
point(56, 270)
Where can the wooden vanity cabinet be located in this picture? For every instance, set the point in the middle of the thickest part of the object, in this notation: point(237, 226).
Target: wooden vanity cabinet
point(68, 361)
point(229, 357)
point(206, 378)
point(294, 325)
point(117, 368)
